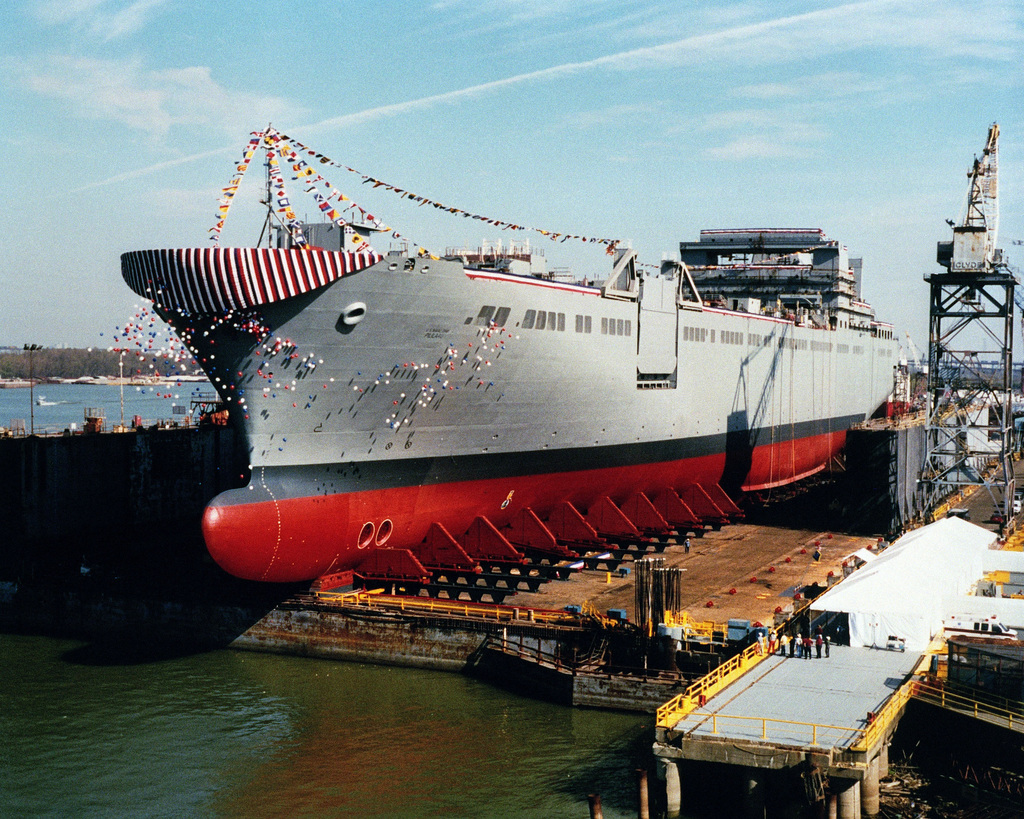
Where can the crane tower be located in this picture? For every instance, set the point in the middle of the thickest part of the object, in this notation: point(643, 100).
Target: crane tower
point(970, 419)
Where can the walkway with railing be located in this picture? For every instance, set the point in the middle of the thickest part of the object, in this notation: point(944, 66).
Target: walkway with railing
point(994, 710)
point(702, 690)
point(848, 700)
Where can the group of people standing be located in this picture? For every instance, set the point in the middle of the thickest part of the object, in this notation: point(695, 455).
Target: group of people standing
point(802, 644)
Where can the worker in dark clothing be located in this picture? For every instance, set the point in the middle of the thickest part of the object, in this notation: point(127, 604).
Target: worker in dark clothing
point(827, 643)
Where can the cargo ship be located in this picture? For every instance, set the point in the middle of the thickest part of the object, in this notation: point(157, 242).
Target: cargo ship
point(384, 395)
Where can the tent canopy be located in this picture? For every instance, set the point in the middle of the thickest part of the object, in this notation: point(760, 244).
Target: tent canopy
point(909, 588)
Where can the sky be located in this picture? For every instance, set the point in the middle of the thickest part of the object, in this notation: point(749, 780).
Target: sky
point(639, 121)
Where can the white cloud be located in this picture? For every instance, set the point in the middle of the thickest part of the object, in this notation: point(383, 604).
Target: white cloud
point(761, 134)
point(767, 90)
point(126, 92)
point(756, 146)
point(820, 87)
point(105, 19)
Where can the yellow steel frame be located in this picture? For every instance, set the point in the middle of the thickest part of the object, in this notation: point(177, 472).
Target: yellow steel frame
point(694, 629)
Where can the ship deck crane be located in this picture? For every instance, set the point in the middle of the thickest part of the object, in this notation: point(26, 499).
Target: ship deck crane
point(915, 356)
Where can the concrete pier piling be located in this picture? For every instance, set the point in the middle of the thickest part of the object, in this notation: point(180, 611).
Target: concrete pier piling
point(869, 789)
point(883, 759)
point(673, 790)
point(753, 793)
point(847, 798)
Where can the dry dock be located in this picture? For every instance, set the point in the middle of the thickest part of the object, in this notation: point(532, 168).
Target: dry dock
point(744, 570)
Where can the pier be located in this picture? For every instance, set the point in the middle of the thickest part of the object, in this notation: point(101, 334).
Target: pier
point(829, 718)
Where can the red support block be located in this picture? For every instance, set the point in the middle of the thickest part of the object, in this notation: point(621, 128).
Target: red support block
point(700, 502)
point(483, 541)
point(723, 501)
point(644, 515)
point(393, 564)
point(609, 521)
point(671, 507)
point(526, 529)
point(440, 549)
point(569, 526)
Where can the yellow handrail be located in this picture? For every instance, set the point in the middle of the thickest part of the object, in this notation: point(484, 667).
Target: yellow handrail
point(700, 691)
point(889, 713)
point(692, 628)
point(939, 695)
point(816, 730)
point(434, 605)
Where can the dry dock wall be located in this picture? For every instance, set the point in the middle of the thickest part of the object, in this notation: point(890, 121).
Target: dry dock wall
point(454, 644)
point(366, 636)
point(63, 498)
point(883, 464)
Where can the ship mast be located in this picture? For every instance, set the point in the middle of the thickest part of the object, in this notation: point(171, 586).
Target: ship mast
point(267, 200)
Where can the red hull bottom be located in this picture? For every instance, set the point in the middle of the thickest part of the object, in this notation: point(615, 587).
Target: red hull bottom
point(302, 538)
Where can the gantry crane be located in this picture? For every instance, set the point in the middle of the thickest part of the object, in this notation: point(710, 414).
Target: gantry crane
point(970, 344)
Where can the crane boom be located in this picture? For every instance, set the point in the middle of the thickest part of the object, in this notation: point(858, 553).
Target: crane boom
point(973, 248)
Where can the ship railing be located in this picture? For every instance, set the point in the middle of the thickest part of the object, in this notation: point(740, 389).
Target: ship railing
point(592, 661)
point(16, 430)
point(517, 646)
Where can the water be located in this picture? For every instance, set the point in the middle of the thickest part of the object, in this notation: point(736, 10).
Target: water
point(60, 405)
point(89, 731)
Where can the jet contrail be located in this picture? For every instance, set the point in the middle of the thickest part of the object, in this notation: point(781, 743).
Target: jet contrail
point(170, 163)
point(646, 53)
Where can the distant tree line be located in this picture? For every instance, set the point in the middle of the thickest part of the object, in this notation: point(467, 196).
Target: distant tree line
point(61, 362)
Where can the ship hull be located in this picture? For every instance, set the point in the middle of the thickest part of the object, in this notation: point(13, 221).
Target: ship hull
point(285, 527)
point(416, 391)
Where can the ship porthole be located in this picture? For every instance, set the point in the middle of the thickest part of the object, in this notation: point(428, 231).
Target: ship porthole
point(353, 314)
point(365, 535)
point(384, 531)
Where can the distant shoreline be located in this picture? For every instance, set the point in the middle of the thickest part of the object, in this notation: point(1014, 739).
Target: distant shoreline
point(103, 381)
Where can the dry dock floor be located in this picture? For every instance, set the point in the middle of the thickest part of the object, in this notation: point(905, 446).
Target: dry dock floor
point(740, 557)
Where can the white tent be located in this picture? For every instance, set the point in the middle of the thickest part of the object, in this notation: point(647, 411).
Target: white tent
point(912, 586)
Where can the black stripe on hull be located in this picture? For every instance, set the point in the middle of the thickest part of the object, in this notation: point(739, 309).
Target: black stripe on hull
point(323, 479)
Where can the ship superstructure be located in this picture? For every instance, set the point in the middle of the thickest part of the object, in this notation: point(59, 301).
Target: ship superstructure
point(798, 274)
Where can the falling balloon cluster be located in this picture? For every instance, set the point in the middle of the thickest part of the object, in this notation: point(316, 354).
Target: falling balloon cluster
point(154, 345)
